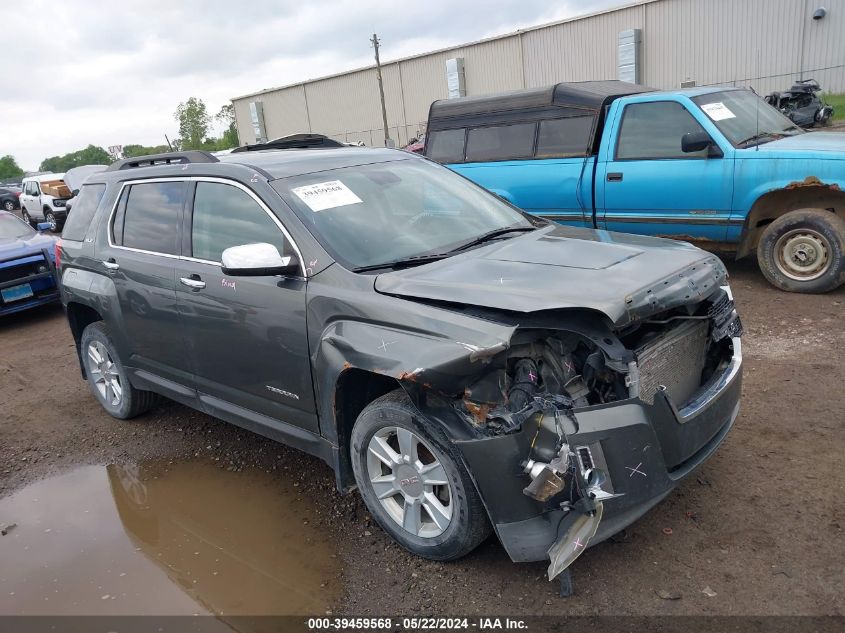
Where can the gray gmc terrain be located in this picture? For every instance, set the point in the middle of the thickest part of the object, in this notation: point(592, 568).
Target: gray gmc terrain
point(464, 365)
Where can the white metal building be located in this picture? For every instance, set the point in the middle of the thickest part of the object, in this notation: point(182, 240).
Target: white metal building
point(663, 43)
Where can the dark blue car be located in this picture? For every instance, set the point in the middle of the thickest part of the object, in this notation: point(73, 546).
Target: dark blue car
point(27, 265)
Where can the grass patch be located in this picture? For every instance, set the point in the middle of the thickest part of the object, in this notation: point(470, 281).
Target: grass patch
point(838, 103)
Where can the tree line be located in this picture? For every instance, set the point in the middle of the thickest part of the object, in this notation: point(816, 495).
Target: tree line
point(194, 133)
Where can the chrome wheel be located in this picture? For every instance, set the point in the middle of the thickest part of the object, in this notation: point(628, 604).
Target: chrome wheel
point(409, 481)
point(802, 254)
point(9, 205)
point(103, 373)
point(52, 220)
point(26, 217)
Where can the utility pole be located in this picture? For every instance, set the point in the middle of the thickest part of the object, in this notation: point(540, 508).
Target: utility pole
point(387, 141)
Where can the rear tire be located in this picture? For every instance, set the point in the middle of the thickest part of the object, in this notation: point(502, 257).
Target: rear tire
point(26, 218)
point(804, 251)
point(427, 502)
point(107, 377)
point(8, 205)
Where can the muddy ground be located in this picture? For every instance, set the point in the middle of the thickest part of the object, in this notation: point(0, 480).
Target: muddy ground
point(760, 525)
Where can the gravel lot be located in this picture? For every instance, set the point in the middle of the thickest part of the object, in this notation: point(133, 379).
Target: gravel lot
point(761, 524)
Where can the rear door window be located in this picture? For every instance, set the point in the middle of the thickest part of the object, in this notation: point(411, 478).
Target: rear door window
point(446, 146)
point(82, 212)
point(226, 216)
point(564, 137)
point(151, 218)
point(501, 142)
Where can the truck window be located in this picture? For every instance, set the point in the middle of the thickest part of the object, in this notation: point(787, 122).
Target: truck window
point(654, 130)
point(501, 142)
point(564, 137)
point(84, 208)
point(446, 146)
point(151, 218)
point(226, 216)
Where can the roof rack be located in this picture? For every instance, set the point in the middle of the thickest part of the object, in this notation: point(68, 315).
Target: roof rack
point(293, 141)
point(168, 158)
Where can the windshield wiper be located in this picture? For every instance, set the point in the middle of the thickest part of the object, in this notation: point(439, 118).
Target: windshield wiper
point(759, 137)
point(416, 260)
point(405, 262)
point(491, 235)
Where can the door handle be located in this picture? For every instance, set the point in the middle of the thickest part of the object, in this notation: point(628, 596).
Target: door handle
point(110, 264)
point(193, 282)
point(614, 176)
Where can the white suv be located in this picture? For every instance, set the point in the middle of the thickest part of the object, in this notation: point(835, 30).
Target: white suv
point(38, 206)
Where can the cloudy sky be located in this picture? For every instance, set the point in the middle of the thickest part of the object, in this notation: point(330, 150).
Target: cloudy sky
point(84, 71)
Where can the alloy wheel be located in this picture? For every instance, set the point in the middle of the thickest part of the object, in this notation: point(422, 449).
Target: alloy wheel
point(52, 220)
point(9, 205)
point(802, 254)
point(409, 481)
point(103, 373)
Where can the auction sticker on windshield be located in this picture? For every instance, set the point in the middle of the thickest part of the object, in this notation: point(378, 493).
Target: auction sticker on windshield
point(718, 111)
point(326, 195)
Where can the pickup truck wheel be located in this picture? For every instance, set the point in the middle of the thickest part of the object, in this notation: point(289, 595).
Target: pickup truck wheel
point(414, 482)
point(26, 218)
point(107, 377)
point(51, 219)
point(804, 251)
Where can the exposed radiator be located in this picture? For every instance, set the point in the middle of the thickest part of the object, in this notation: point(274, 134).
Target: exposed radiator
point(674, 360)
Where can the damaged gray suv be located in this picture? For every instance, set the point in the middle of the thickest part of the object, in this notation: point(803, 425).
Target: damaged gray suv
point(466, 366)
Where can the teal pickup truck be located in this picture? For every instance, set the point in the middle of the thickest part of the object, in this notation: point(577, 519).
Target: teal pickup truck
point(717, 166)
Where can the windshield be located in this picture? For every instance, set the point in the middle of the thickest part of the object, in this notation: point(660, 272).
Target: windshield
point(744, 118)
point(13, 228)
point(385, 212)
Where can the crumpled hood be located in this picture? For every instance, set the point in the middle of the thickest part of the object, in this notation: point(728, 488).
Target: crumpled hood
point(14, 248)
point(626, 277)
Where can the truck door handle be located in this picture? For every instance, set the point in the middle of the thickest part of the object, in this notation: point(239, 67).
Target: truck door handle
point(614, 176)
point(110, 264)
point(193, 282)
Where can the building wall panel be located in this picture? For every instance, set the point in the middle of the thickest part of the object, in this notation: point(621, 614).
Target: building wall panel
point(758, 43)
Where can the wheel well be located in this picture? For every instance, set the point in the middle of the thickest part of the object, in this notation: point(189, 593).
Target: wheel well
point(355, 389)
point(46, 209)
point(810, 194)
point(79, 317)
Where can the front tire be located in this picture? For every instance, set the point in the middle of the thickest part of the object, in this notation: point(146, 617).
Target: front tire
point(804, 251)
point(107, 377)
point(8, 205)
point(413, 481)
point(50, 218)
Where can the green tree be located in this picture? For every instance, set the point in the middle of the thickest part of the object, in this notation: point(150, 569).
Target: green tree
point(226, 116)
point(91, 155)
point(131, 151)
point(9, 168)
point(194, 122)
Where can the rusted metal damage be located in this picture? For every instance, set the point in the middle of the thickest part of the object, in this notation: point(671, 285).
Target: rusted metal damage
point(812, 181)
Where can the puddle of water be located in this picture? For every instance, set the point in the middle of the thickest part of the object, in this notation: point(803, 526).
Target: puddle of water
point(167, 540)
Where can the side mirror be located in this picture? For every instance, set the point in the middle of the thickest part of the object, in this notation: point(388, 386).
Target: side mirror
point(696, 141)
point(74, 193)
point(43, 226)
point(257, 260)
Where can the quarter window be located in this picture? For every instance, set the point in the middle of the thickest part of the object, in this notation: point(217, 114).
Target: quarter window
point(226, 216)
point(654, 130)
point(446, 146)
point(501, 142)
point(84, 208)
point(150, 221)
point(564, 137)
